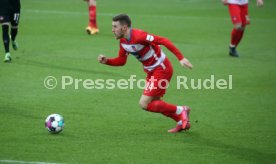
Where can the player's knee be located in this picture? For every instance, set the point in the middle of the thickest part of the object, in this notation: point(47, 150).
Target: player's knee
point(14, 27)
point(143, 104)
point(92, 2)
point(239, 27)
point(5, 24)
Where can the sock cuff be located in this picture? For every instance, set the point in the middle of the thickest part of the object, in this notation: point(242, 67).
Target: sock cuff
point(179, 110)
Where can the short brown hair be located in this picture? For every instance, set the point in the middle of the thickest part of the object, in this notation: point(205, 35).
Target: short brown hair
point(124, 19)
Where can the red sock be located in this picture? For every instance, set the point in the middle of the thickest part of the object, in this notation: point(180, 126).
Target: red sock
point(236, 36)
point(159, 106)
point(92, 17)
point(240, 36)
point(173, 116)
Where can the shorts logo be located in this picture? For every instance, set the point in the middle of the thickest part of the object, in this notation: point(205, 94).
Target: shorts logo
point(149, 86)
point(134, 48)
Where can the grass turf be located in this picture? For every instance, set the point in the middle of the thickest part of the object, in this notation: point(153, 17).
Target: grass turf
point(107, 126)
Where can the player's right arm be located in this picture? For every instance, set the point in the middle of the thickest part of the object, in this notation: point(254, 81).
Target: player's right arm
point(102, 59)
point(120, 60)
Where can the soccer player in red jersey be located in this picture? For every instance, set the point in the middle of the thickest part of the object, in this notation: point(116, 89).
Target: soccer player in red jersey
point(238, 10)
point(92, 27)
point(145, 47)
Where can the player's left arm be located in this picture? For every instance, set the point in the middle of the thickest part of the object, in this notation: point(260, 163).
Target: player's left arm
point(154, 39)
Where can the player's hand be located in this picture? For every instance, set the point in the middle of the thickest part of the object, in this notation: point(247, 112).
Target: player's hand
point(185, 63)
point(260, 3)
point(224, 2)
point(102, 59)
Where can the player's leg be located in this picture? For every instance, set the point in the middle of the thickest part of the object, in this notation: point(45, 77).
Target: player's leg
point(4, 21)
point(245, 21)
point(155, 104)
point(157, 82)
point(92, 28)
point(173, 116)
point(178, 113)
point(235, 13)
point(14, 29)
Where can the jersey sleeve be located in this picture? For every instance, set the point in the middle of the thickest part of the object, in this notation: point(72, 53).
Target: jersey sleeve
point(120, 60)
point(158, 40)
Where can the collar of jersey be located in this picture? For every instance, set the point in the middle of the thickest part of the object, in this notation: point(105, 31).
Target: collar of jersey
point(130, 33)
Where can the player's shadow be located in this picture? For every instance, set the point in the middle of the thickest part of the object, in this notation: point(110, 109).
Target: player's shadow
point(247, 154)
point(89, 71)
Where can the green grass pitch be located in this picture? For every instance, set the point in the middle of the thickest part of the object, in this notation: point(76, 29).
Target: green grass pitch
point(107, 126)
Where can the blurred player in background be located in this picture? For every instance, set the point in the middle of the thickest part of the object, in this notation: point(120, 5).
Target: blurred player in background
point(92, 27)
point(9, 17)
point(146, 48)
point(238, 10)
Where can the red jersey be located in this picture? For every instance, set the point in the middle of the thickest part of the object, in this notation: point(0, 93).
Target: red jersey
point(145, 47)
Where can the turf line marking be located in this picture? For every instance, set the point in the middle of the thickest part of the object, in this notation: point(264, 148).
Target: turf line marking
point(25, 162)
point(63, 12)
point(112, 14)
point(76, 13)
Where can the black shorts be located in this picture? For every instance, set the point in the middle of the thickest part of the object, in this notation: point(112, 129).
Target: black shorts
point(4, 18)
point(12, 17)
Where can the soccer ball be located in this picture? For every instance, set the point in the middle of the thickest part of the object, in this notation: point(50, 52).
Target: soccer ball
point(54, 123)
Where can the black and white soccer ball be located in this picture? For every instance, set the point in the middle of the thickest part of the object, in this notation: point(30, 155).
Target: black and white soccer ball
point(54, 123)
